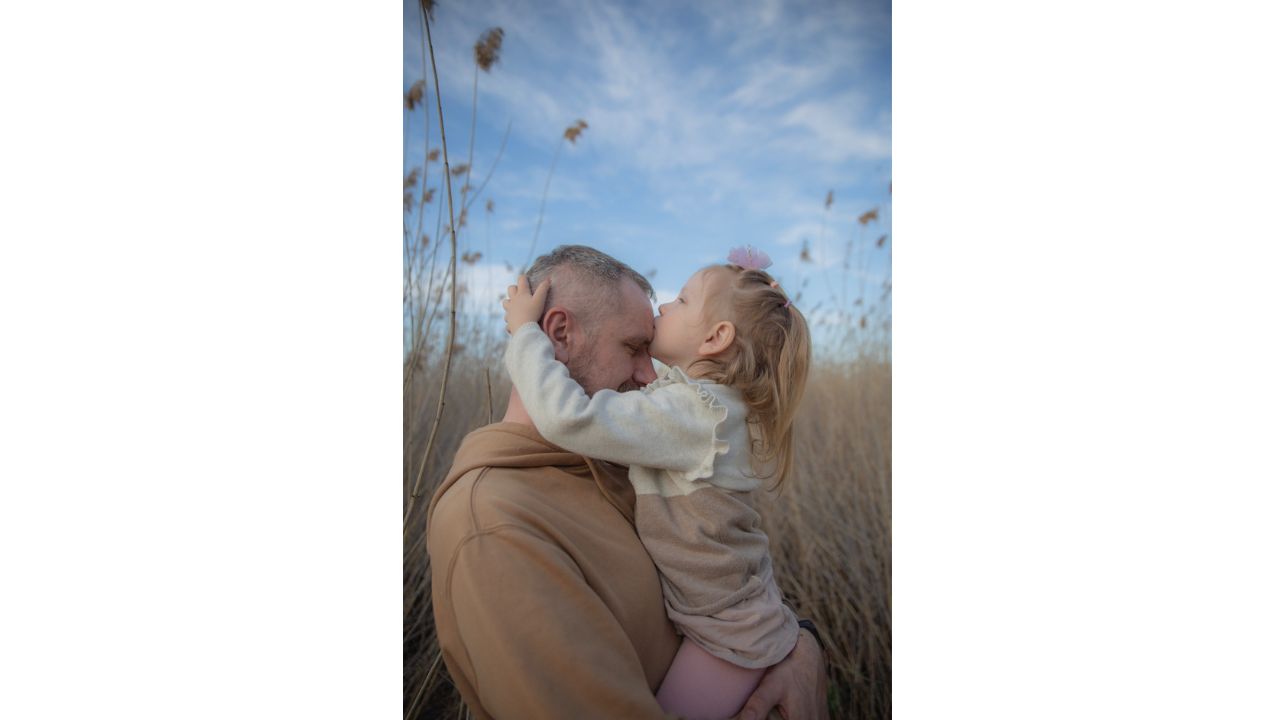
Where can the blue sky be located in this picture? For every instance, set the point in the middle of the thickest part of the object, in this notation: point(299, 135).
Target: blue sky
point(711, 125)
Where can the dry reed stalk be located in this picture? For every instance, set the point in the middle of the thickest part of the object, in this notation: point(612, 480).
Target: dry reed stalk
point(433, 298)
point(453, 285)
point(571, 134)
point(487, 50)
point(488, 398)
point(498, 158)
point(427, 8)
point(872, 215)
point(822, 239)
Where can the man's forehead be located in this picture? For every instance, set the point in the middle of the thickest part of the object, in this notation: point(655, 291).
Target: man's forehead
point(635, 328)
point(633, 316)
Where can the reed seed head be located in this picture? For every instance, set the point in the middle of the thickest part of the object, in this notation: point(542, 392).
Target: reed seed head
point(414, 96)
point(572, 132)
point(488, 48)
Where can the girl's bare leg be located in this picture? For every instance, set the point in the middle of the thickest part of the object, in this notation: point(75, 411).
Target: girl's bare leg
point(701, 686)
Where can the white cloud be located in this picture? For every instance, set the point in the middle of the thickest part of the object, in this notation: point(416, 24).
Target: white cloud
point(830, 129)
point(486, 285)
point(770, 84)
point(528, 182)
point(799, 232)
point(665, 295)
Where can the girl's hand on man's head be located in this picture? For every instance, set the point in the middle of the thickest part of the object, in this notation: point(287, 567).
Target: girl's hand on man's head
point(523, 306)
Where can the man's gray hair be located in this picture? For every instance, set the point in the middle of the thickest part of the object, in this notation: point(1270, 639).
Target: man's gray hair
point(586, 275)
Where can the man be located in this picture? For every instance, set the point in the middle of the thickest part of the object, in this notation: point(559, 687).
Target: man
point(546, 603)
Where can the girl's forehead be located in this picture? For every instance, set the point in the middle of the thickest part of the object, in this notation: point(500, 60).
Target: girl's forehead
point(704, 278)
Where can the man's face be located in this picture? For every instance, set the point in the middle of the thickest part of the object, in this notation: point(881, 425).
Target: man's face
point(617, 356)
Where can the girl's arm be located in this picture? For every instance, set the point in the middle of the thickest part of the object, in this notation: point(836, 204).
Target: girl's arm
point(670, 427)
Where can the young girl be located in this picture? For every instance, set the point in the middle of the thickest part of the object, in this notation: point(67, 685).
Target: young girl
point(714, 426)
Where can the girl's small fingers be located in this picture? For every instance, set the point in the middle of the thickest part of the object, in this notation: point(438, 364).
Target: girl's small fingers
point(512, 290)
point(523, 282)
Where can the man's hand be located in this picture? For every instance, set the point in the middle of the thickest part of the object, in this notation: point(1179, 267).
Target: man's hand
point(523, 306)
point(797, 686)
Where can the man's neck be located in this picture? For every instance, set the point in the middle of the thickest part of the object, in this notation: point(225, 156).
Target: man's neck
point(515, 410)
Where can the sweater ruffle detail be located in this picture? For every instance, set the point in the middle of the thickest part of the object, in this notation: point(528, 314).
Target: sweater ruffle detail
point(716, 446)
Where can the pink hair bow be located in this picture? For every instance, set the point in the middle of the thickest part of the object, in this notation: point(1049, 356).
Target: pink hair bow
point(749, 258)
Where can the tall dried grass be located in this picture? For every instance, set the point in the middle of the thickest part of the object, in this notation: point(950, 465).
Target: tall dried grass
point(829, 529)
point(829, 526)
point(476, 395)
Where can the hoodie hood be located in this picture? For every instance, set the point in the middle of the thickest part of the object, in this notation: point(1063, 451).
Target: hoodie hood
point(514, 445)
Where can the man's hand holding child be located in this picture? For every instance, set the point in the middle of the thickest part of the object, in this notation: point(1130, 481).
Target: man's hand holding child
point(523, 306)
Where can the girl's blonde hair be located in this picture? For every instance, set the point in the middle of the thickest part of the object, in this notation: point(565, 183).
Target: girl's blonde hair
point(768, 360)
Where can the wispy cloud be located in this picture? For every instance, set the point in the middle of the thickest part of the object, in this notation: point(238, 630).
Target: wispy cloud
point(828, 131)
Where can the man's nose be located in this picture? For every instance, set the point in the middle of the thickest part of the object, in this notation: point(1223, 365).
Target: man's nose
point(644, 373)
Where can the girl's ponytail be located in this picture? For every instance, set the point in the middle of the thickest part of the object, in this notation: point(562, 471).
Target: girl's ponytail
point(768, 361)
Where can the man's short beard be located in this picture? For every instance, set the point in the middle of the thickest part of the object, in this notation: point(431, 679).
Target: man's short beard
point(579, 366)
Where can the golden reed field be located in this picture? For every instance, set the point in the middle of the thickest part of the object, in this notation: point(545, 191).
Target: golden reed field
point(829, 526)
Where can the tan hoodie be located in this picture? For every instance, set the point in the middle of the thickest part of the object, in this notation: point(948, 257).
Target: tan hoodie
point(546, 603)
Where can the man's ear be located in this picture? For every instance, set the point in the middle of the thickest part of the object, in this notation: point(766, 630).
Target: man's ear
point(718, 339)
point(557, 324)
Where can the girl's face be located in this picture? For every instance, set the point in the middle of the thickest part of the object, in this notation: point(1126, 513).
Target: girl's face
point(682, 325)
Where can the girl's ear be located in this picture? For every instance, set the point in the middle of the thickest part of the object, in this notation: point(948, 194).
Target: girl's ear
point(718, 339)
point(556, 324)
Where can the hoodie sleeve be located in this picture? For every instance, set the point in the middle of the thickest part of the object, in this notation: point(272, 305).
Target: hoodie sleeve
point(671, 427)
